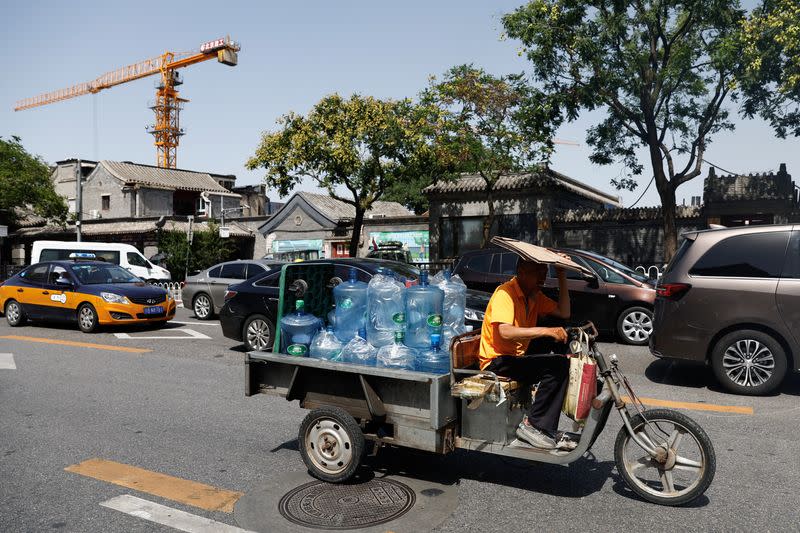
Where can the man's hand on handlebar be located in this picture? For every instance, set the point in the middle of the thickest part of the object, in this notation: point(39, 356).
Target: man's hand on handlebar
point(558, 334)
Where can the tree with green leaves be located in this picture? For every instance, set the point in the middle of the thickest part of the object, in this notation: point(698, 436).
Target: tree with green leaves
point(770, 73)
point(207, 249)
point(661, 70)
point(25, 183)
point(361, 145)
point(491, 126)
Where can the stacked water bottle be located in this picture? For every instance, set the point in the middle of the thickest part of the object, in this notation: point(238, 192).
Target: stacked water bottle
point(386, 323)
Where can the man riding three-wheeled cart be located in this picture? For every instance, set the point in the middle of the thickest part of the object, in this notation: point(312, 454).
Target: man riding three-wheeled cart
point(485, 402)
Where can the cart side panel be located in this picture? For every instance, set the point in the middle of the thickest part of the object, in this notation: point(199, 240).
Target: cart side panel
point(416, 409)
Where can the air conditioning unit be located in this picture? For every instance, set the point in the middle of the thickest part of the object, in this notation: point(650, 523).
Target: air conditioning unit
point(94, 214)
point(376, 215)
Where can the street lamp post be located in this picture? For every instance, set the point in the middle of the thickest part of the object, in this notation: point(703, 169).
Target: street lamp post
point(222, 213)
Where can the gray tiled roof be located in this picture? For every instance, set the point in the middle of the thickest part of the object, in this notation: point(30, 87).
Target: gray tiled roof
point(636, 213)
point(546, 176)
point(134, 227)
point(165, 178)
point(334, 209)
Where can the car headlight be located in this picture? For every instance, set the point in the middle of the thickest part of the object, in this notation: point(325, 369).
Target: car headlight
point(472, 314)
point(110, 297)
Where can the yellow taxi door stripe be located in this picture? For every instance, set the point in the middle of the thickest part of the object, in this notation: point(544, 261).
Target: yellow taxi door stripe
point(694, 406)
point(172, 488)
point(75, 343)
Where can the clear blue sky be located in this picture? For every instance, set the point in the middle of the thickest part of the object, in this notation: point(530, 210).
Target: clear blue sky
point(292, 55)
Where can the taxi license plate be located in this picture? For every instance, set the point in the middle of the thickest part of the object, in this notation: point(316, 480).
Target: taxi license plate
point(155, 310)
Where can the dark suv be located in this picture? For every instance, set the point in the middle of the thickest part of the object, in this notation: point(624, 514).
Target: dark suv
point(731, 297)
point(617, 298)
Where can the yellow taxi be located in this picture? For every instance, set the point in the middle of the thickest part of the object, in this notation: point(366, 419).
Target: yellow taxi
point(91, 293)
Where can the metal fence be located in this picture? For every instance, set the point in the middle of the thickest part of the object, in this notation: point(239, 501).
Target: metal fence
point(652, 271)
point(174, 288)
point(6, 271)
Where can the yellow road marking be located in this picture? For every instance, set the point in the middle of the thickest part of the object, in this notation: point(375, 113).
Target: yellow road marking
point(694, 406)
point(76, 343)
point(173, 488)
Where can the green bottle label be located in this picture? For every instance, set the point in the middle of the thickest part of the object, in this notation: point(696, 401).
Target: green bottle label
point(435, 321)
point(399, 318)
point(347, 303)
point(300, 350)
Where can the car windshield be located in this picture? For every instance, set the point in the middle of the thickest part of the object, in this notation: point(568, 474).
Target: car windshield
point(619, 266)
point(97, 274)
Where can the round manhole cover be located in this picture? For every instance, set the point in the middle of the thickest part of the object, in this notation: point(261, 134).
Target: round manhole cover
point(328, 506)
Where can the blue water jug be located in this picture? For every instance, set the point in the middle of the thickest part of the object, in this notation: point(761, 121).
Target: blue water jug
point(455, 303)
point(424, 306)
point(385, 309)
point(434, 359)
point(297, 330)
point(351, 306)
point(325, 345)
point(359, 350)
point(397, 354)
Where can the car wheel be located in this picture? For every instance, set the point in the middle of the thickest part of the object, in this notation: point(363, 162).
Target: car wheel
point(634, 325)
point(15, 316)
point(257, 333)
point(749, 362)
point(87, 318)
point(202, 306)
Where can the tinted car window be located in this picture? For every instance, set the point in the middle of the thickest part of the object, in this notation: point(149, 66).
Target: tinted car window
point(682, 249)
point(606, 273)
point(756, 255)
point(137, 260)
point(254, 270)
point(273, 280)
point(56, 273)
point(214, 272)
point(480, 263)
point(35, 274)
point(508, 264)
point(571, 274)
point(49, 254)
point(234, 271)
point(791, 268)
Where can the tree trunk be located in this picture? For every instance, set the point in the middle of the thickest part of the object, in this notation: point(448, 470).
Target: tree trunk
point(489, 219)
point(356, 237)
point(667, 194)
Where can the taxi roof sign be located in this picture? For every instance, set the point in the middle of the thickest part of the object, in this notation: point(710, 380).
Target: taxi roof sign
point(86, 256)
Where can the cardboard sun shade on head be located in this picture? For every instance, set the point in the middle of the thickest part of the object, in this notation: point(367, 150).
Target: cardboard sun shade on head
point(537, 254)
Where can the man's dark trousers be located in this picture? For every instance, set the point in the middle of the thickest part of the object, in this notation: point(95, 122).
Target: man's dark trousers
point(550, 371)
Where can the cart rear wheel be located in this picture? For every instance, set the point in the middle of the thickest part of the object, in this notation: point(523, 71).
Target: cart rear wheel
point(331, 444)
point(686, 463)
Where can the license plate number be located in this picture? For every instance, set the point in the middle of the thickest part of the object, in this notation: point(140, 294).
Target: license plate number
point(155, 310)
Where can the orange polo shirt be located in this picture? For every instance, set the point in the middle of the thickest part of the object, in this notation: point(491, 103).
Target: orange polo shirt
point(508, 306)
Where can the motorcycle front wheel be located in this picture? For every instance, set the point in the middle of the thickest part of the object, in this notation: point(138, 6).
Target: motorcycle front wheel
point(683, 467)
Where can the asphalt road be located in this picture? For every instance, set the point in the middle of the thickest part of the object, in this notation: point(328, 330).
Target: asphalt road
point(170, 403)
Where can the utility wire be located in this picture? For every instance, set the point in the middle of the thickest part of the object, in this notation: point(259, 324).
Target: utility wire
point(642, 195)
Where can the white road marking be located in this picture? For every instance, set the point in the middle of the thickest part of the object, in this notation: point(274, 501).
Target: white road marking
point(7, 361)
point(195, 323)
point(190, 334)
point(167, 516)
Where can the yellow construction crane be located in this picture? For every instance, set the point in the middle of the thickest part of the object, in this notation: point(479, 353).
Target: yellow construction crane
point(168, 103)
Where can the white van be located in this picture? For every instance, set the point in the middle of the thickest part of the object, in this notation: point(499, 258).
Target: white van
point(124, 255)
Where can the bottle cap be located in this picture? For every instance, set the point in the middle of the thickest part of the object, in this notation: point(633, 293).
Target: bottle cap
point(423, 277)
point(299, 304)
point(436, 339)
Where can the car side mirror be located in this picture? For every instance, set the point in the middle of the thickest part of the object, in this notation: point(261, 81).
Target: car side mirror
point(591, 281)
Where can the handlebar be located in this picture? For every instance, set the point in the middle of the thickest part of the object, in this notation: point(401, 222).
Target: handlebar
point(574, 332)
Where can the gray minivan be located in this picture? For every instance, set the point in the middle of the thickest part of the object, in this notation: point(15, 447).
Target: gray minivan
point(205, 290)
point(731, 297)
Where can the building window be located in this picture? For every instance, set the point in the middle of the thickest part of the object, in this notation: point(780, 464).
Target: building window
point(105, 202)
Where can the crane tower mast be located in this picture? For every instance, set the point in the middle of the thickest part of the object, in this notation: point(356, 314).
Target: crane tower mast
point(168, 103)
